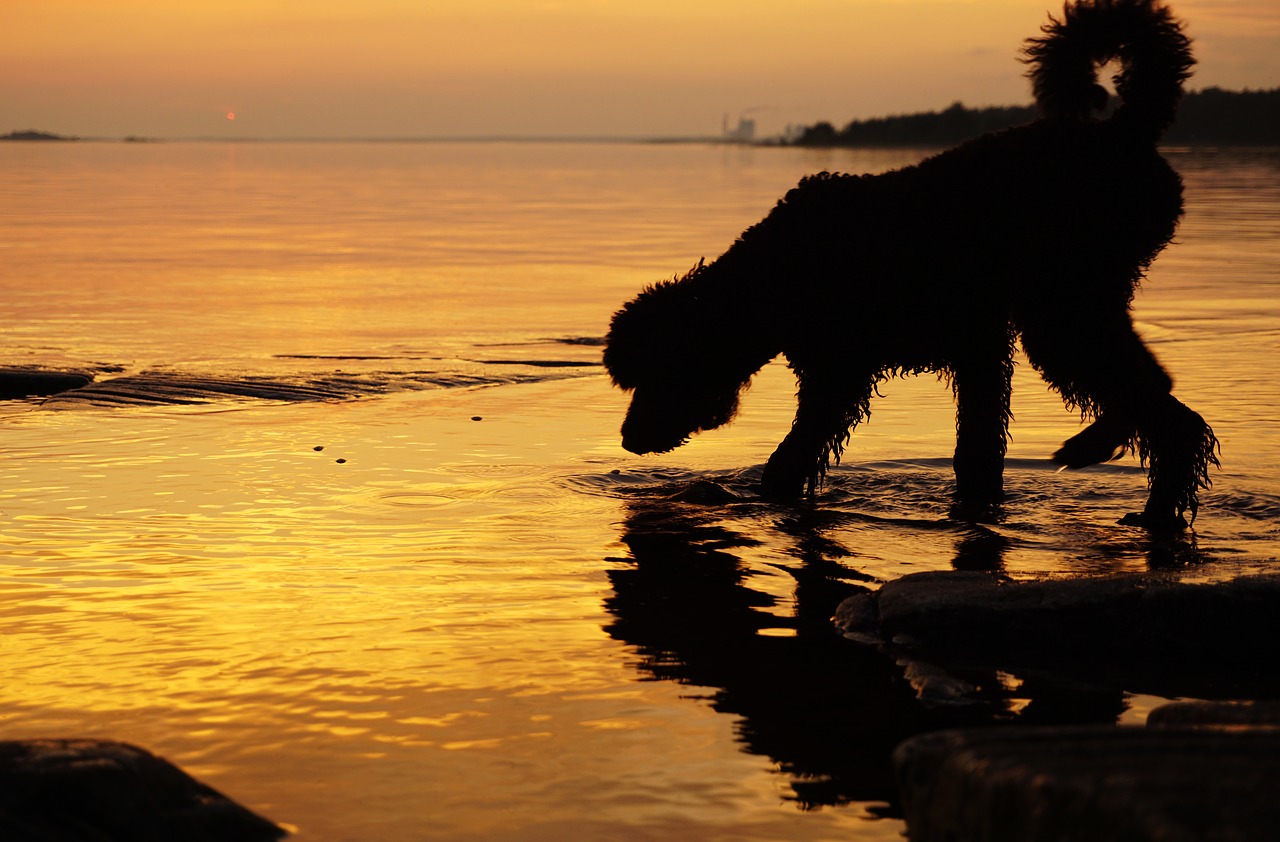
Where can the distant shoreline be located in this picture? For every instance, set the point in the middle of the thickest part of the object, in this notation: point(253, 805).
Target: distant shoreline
point(708, 140)
point(34, 136)
point(1210, 117)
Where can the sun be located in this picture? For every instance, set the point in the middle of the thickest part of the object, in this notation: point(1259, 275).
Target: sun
point(231, 115)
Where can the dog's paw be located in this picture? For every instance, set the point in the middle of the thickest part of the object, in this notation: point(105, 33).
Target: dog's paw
point(774, 490)
point(1165, 524)
point(976, 511)
point(777, 484)
point(1103, 440)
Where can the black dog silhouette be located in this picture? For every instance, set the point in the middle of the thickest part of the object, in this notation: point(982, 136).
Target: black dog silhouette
point(1041, 232)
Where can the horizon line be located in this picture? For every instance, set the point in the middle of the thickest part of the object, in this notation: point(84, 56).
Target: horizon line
point(476, 138)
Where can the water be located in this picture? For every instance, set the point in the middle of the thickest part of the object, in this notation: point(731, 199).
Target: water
point(378, 618)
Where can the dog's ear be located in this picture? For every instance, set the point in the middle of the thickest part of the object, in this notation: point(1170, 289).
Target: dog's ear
point(643, 334)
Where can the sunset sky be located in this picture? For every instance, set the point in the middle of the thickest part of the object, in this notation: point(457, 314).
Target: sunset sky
point(395, 68)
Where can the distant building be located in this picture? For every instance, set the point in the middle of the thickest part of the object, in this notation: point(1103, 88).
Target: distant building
point(744, 133)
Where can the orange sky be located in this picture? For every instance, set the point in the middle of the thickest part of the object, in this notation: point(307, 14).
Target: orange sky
point(291, 68)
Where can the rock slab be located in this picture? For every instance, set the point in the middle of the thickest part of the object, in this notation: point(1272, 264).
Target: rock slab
point(1142, 632)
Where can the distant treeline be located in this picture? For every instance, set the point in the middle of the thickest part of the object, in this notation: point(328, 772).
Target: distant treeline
point(1209, 117)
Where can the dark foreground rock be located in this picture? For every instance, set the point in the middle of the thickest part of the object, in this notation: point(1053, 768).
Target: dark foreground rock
point(103, 791)
point(1198, 771)
point(1149, 633)
point(1097, 783)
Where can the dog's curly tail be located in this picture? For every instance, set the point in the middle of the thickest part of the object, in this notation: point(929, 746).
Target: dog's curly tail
point(1142, 35)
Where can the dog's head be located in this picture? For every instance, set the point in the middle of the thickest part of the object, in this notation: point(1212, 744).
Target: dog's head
point(667, 348)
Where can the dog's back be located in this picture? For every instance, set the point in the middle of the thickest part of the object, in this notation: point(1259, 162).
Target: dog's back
point(1030, 183)
point(979, 226)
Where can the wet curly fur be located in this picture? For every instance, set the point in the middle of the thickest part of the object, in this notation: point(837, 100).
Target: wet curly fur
point(1040, 233)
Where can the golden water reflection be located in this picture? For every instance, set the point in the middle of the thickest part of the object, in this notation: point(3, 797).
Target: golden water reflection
point(459, 631)
point(301, 632)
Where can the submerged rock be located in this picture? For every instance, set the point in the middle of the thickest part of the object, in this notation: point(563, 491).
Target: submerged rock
point(704, 492)
point(105, 791)
point(1096, 783)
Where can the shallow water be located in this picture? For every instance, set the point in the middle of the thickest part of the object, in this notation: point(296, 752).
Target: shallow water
point(509, 627)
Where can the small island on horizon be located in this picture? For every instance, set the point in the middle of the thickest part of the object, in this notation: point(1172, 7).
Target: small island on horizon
point(32, 134)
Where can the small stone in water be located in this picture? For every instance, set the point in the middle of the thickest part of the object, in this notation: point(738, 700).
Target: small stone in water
point(318, 448)
point(340, 461)
point(476, 418)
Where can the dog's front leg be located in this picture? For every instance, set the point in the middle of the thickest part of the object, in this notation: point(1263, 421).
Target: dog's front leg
point(982, 390)
point(1179, 448)
point(829, 407)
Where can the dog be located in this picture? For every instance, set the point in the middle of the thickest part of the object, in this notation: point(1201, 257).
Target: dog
point(1040, 233)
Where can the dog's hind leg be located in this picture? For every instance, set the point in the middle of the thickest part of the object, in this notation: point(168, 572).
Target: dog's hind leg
point(980, 379)
point(830, 404)
point(1100, 365)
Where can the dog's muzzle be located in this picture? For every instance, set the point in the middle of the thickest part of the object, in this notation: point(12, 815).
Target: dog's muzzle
point(641, 444)
point(651, 426)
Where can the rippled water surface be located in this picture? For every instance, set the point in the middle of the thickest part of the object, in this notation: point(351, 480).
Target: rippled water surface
point(438, 600)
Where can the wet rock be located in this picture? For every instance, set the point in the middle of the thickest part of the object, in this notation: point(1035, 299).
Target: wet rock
point(1143, 632)
point(38, 382)
point(104, 791)
point(858, 616)
point(175, 389)
point(1096, 783)
point(169, 388)
point(935, 687)
point(704, 492)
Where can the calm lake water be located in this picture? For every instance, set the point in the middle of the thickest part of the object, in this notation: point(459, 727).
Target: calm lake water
point(452, 607)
